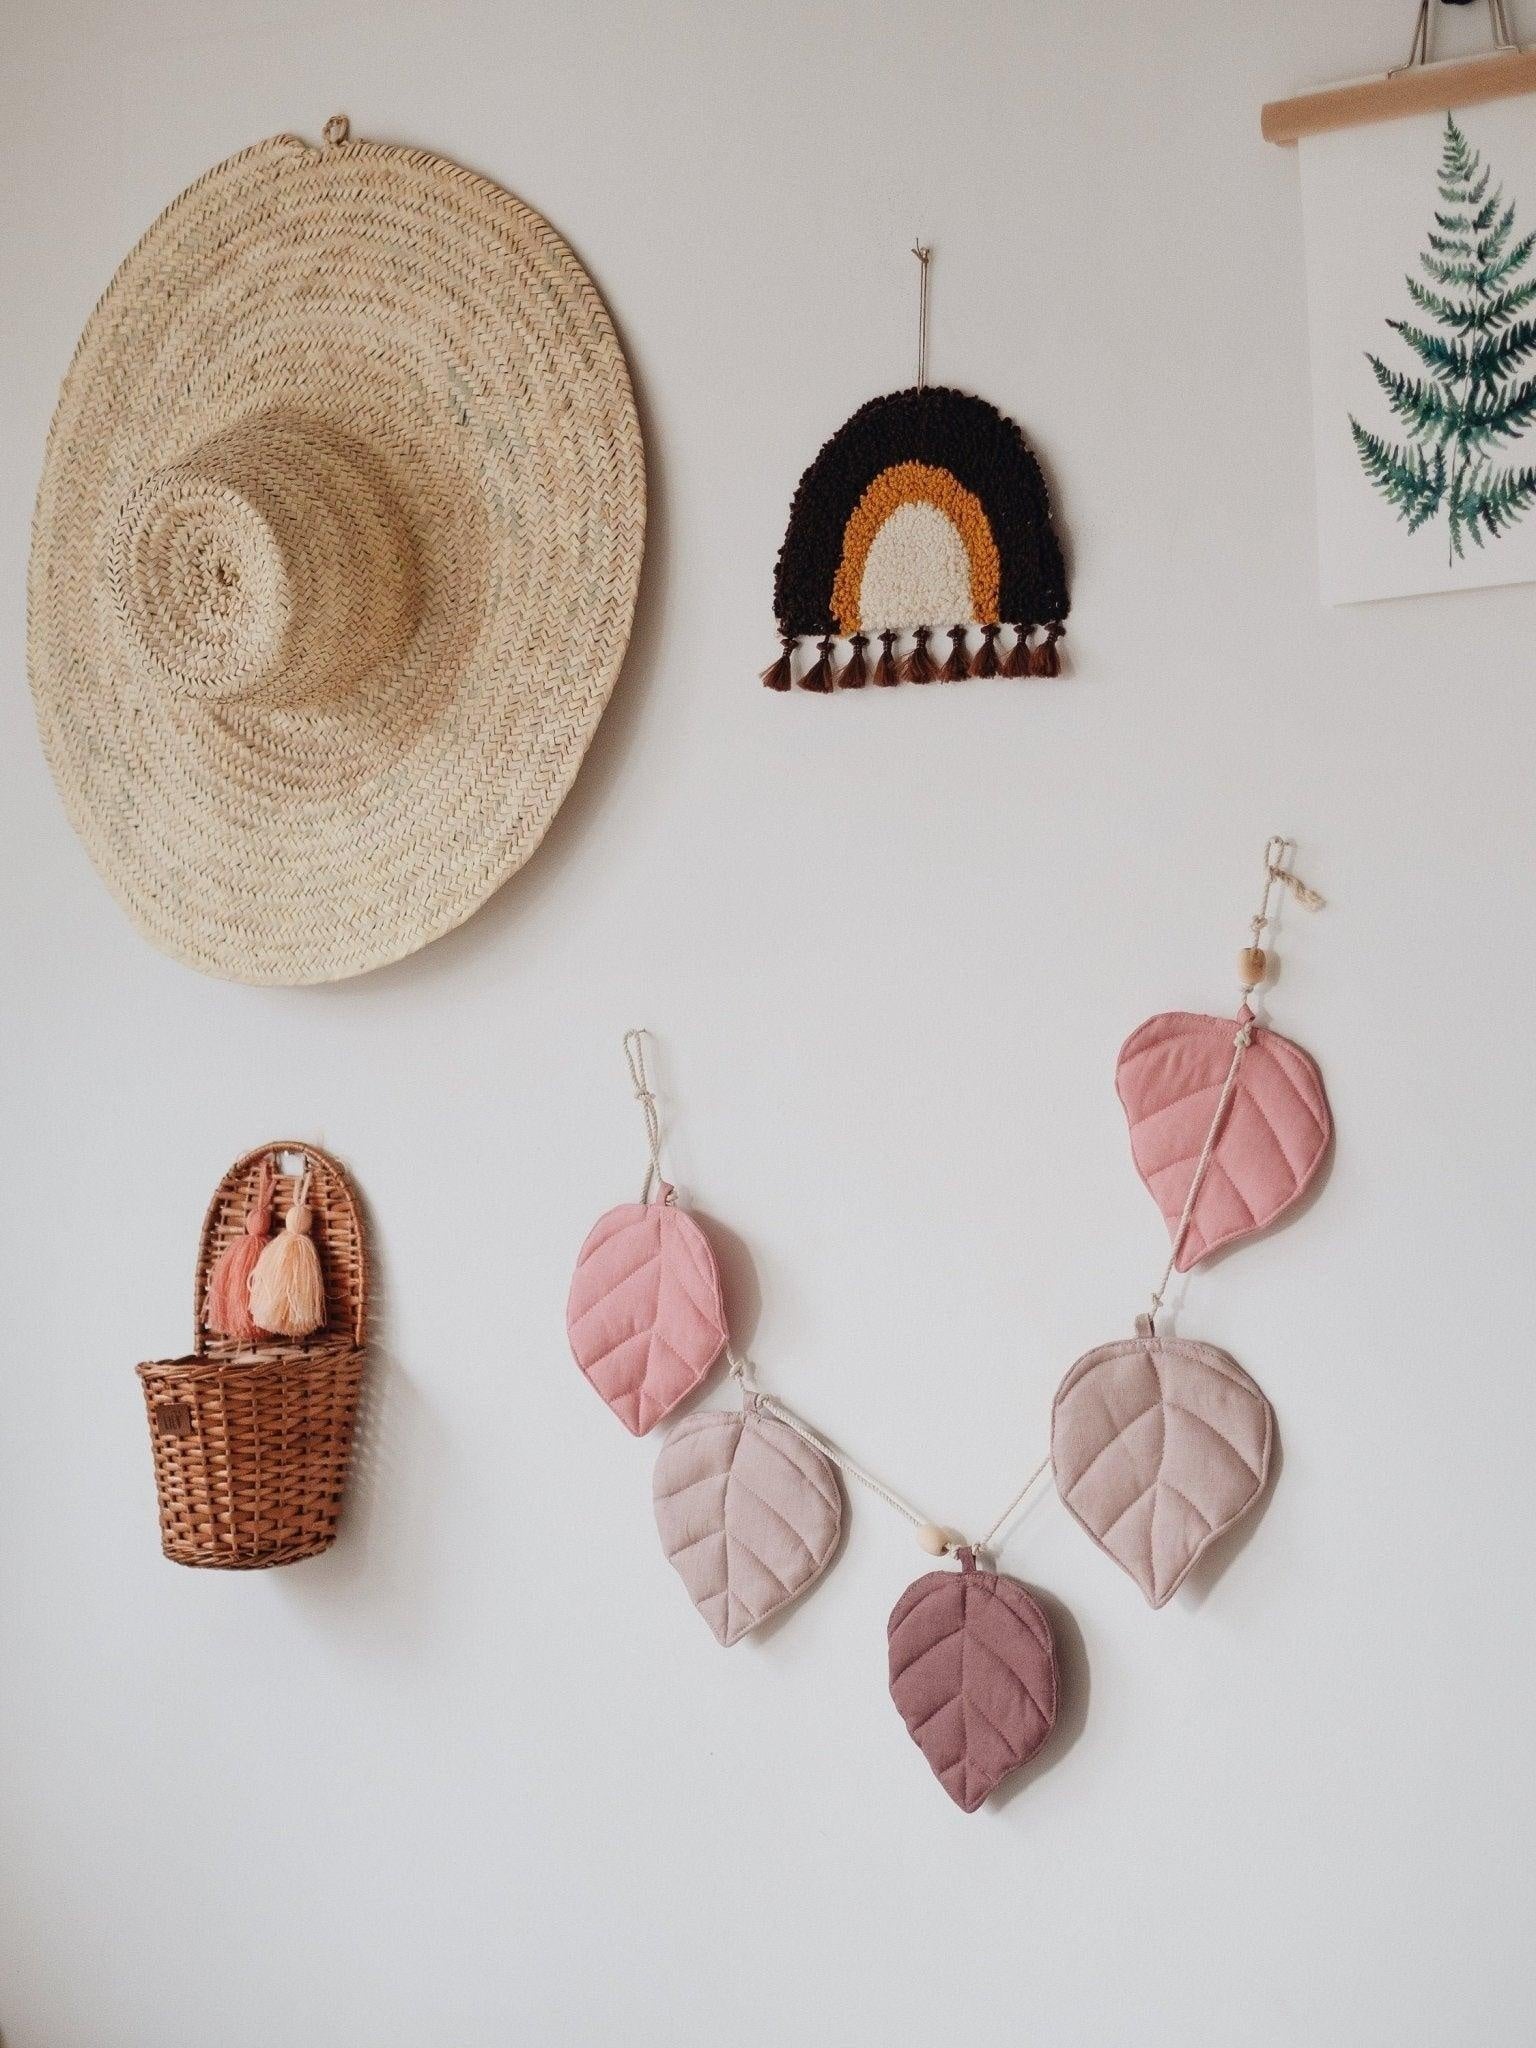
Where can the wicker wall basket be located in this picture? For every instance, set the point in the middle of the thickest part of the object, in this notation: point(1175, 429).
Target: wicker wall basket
point(251, 1441)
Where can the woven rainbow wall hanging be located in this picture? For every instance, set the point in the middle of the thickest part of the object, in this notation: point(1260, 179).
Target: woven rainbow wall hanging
point(925, 514)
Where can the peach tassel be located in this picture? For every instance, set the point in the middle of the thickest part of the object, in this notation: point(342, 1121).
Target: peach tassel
point(227, 1302)
point(287, 1292)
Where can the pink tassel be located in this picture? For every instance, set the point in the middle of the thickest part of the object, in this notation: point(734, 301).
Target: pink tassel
point(227, 1302)
point(287, 1292)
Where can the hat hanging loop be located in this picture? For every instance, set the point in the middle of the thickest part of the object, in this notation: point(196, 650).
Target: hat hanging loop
point(924, 257)
point(336, 130)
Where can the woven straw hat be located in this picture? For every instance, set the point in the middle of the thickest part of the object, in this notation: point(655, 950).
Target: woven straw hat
point(335, 556)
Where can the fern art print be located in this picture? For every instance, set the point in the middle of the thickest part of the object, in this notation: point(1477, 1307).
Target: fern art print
point(1467, 395)
point(1421, 287)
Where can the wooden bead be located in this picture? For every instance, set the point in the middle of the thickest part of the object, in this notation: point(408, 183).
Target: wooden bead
point(1252, 965)
point(933, 1539)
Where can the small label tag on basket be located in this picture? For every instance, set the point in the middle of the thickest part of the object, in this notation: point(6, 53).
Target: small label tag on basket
point(173, 1418)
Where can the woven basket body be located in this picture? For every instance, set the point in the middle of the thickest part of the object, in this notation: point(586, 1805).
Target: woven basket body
point(251, 1442)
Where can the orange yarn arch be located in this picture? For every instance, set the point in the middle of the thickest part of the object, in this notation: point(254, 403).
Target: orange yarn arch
point(907, 483)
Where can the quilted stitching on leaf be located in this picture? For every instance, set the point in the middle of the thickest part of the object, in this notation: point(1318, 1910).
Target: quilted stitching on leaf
point(748, 1514)
point(1158, 1447)
point(1273, 1138)
point(645, 1317)
point(973, 1674)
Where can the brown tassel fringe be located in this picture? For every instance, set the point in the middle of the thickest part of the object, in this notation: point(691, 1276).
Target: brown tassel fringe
point(823, 675)
point(984, 660)
point(1045, 661)
point(1016, 662)
point(956, 667)
point(818, 676)
point(918, 666)
point(781, 673)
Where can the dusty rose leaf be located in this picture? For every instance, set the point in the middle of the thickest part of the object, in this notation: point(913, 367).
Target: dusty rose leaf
point(1158, 1447)
point(645, 1318)
point(748, 1514)
point(1273, 1137)
point(973, 1674)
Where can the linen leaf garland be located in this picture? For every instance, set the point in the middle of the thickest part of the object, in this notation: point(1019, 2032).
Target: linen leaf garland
point(973, 1675)
point(1158, 1446)
point(1271, 1141)
point(749, 1516)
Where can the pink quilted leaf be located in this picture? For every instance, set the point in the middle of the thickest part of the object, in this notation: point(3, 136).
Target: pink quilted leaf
point(749, 1515)
point(644, 1316)
point(1158, 1447)
point(973, 1673)
point(1274, 1134)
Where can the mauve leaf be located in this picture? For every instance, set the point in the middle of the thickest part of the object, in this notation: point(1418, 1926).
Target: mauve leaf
point(1273, 1137)
point(1158, 1446)
point(749, 1515)
point(973, 1673)
point(644, 1316)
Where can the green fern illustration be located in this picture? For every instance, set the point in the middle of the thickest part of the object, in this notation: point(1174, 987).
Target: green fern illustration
point(1459, 417)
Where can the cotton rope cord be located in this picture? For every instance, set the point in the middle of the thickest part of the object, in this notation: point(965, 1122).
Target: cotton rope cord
point(634, 1054)
point(1240, 1045)
point(1276, 875)
point(1013, 1506)
point(742, 1369)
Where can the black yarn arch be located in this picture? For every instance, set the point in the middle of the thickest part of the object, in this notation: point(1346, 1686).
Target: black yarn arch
point(981, 448)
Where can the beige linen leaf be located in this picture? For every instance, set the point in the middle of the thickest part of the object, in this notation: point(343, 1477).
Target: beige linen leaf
point(749, 1515)
point(1158, 1447)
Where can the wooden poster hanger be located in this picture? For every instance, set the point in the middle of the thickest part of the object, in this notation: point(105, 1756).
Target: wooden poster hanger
point(1417, 87)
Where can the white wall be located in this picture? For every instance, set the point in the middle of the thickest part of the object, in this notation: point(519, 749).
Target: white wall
point(480, 1775)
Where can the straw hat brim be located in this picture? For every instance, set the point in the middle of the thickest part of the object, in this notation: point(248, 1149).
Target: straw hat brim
point(335, 557)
